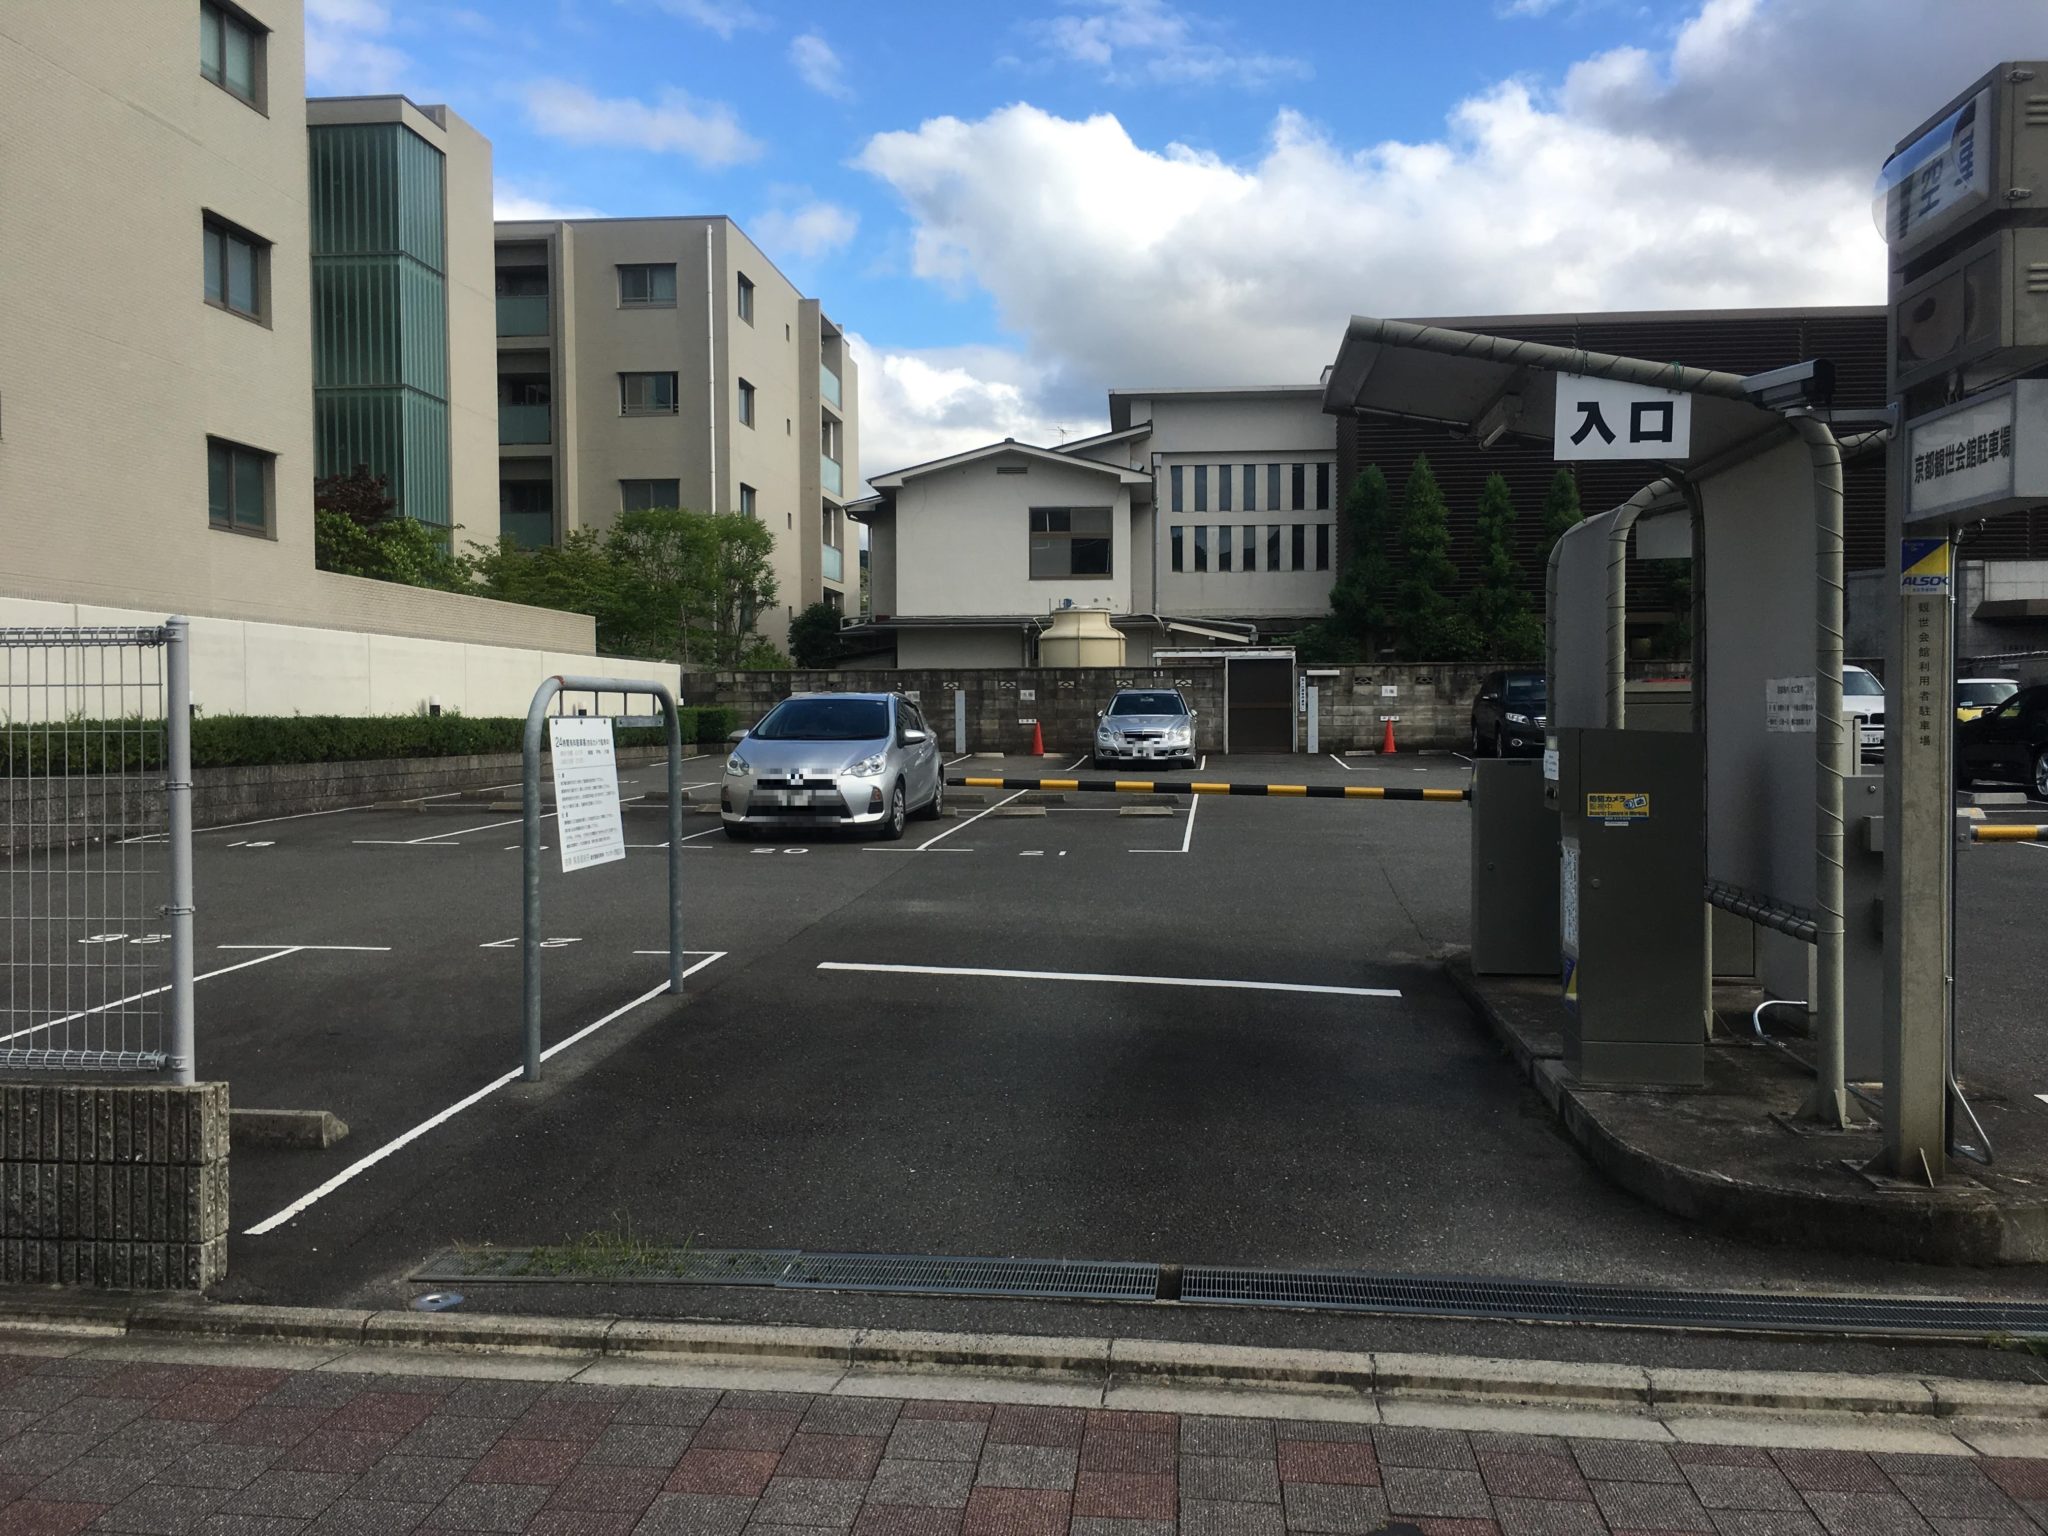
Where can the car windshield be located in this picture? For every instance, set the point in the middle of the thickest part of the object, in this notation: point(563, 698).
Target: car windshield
point(825, 720)
point(1526, 690)
point(1981, 692)
point(1859, 684)
point(1148, 704)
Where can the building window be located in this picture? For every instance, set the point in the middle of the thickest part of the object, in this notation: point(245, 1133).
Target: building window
point(1322, 546)
point(647, 285)
point(1300, 547)
point(1300, 489)
point(1273, 489)
point(746, 298)
point(1223, 548)
point(237, 487)
point(1069, 541)
point(832, 439)
point(526, 512)
point(746, 404)
point(748, 502)
point(1273, 548)
point(1201, 547)
point(1174, 475)
point(643, 495)
point(647, 394)
point(236, 268)
point(1201, 487)
point(1322, 487)
point(231, 52)
point(1251, 547)
point(1251, 487)
point(1174, 532)
point(1223, 478)
point(828, 526)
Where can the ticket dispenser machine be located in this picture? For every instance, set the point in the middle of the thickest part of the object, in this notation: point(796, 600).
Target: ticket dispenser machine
point(1631, 918)
point(1514, 870)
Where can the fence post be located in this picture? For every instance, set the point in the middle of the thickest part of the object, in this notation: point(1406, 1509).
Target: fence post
point(675, 841)
point(529, 858)
point(180, 1064)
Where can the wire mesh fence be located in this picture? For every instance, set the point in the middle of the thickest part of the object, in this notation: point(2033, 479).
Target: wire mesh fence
point(95, 831)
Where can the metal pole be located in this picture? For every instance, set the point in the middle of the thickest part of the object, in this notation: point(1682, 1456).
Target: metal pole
point(675, 840)
point(959, 719)
point(1625, 517)
point(529, 858)
point(1830, 1101)
point(178, 794)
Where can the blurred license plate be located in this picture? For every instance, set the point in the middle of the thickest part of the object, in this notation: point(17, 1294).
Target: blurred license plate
point(797, 797)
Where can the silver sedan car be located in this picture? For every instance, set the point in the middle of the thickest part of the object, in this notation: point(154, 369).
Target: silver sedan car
point(1146, 725)
point(833, 760)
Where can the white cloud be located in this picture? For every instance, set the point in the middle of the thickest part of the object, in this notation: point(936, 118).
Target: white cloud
point(675, 124)
point(345, 51)
point(808, 231)
point(724, 17)
point(1129, 40)
point(919, 405)
point(1731, 168)
point(515, 200)
point(819, 67)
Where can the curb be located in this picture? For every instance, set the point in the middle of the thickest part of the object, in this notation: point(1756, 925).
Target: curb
point(1963, 1228)
point(1101, 1362)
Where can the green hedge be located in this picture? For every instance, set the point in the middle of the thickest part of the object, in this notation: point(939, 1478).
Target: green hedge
point(246, 741)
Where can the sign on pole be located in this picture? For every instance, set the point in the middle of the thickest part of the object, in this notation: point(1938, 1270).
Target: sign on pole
point(1790, 706)
point(1608, 419)
point(586, 791)
point(1982, 457)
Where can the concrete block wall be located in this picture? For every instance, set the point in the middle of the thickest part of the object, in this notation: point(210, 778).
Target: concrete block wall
point(122, 1187)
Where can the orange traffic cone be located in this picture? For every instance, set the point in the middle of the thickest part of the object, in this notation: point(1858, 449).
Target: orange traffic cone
point(1387, 741)
point(1037, 740)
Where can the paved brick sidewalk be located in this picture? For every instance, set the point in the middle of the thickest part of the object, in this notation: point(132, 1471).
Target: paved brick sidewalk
point(95, 1444)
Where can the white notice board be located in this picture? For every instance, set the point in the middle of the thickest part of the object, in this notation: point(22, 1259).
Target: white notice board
point(586, 791)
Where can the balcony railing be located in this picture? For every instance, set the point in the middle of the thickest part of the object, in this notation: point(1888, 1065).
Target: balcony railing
point(523, 424)
point(828, 385)
point(828, 472)
point(835, 564)
point(522, 314)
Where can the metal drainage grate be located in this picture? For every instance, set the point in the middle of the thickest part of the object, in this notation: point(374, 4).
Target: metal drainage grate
point(1533, 1301)
point(1085, 1279)
point(658, 1266)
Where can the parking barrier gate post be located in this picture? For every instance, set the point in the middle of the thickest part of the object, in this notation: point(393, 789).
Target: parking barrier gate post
point(529, 930)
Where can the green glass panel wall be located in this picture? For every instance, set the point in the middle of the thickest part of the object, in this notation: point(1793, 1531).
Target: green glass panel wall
point(380, 311)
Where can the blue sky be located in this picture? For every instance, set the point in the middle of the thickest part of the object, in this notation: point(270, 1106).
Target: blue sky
point(1017, 205)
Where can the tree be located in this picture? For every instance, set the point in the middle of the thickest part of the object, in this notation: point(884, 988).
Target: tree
point(814, 637)
point(361, 496)
point(691, 583)
point(1560, 510)
point(1497, 607)
point(1426, 626)
point(576, 576)
point(1358, 601)
point(357, 532)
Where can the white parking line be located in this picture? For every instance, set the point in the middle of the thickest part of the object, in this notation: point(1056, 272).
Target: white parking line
point(970, 821)
point(1340, 762)
point(277, 952)
point(1105, 976)
point(1187, 837)
point(406, 1138)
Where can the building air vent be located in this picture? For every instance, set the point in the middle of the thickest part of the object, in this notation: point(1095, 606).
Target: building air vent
point(1013, 469)
point(2037, 112)
point(2037, 277)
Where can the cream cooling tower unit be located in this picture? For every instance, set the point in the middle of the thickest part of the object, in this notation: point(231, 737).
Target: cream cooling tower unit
point(1080, 637)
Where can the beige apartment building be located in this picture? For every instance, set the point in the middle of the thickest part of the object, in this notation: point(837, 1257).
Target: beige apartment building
point(667, 362)
point(212, 291)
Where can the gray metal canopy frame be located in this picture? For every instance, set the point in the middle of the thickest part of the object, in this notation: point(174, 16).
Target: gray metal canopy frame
point(1428, 373)
point(529, 928)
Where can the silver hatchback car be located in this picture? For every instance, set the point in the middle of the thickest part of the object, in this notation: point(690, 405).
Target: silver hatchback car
point(833, 760)
point(1146, 725)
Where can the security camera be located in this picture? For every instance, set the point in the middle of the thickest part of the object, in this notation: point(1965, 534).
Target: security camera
point(1811, 383)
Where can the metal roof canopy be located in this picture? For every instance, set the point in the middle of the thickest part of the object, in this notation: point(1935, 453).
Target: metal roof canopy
point(1450, 378)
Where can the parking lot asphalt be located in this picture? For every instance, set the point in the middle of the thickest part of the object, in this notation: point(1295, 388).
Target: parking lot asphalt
point(1216, 1035)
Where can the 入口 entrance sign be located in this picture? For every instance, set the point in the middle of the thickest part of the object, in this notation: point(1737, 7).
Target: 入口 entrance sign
point(1979, 458)
point(1607, 419)
point(586, 791)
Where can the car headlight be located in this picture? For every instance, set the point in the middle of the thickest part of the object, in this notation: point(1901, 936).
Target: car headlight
point(737, 765)
point(1515, 719)
point(1104, 733)
point(1180, 733)
point(870, 767)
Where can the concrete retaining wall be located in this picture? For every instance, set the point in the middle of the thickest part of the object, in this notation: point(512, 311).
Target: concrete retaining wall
point(1433, 700)
point(125, 1187)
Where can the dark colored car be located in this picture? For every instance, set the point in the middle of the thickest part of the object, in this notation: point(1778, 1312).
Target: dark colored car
point(2008, 744)
point(1509, 715)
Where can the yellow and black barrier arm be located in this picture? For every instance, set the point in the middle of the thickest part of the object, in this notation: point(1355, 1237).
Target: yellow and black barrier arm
point(2011, 832)
point(1175, 787)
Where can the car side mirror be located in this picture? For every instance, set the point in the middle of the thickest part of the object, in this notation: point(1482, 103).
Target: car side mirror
point(913, 736)
point(736, 737)
point(1102, 714)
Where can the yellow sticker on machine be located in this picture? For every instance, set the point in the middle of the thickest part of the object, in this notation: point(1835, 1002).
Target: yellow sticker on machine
point(1623, 807)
